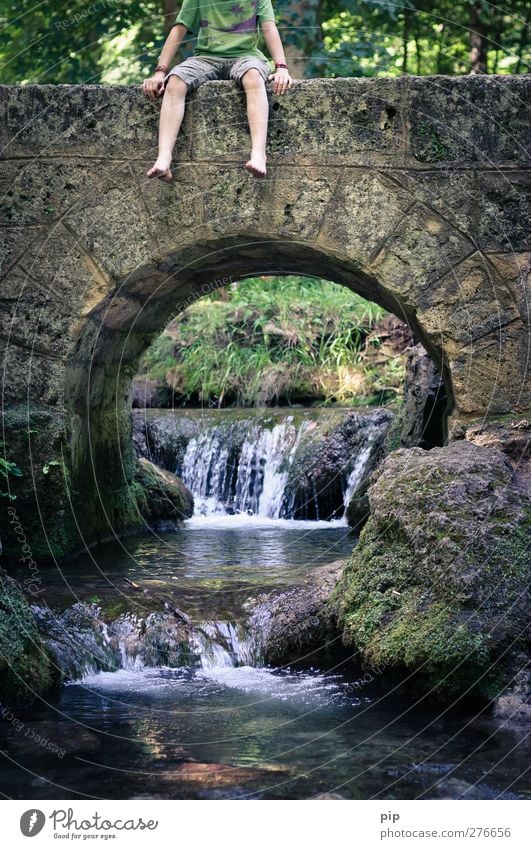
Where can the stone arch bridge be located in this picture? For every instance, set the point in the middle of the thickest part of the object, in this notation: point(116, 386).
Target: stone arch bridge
point(409, 191)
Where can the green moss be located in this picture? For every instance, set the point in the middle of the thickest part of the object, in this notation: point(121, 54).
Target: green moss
point(160, 495)
point(404, 606)
point(25, 668)
point(432, 149)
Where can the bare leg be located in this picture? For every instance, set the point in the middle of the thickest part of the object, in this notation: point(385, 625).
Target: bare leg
point(171, 118)
point(257, 115)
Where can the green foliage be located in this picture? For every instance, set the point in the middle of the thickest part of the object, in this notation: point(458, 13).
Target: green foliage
point(48, 465)
point(118, 41)
point(7, 468)
point(274, 339)
point(382, 37)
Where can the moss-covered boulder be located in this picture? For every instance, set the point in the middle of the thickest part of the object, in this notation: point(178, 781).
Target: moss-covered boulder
point(437, 586)
point(161, 496)
point(36, 441)
point(25, 667)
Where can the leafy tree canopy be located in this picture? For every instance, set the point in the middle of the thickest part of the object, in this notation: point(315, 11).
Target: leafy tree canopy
point(118, 41)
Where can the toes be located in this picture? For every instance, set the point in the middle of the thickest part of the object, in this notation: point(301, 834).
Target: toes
point(255, 170)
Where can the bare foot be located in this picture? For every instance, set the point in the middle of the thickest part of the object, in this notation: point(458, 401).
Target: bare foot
point(162, 170)
point(256, 165)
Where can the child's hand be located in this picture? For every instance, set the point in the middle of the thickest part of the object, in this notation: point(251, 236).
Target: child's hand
point(154, 86)
point(281, 80)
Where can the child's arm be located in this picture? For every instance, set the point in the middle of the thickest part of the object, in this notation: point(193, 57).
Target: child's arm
point(281, 77)
point(153, 86)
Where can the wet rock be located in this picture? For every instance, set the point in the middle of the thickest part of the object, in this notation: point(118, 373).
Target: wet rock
point(326, 457)
point(358, 509)
point(424, 401)
point(514, 705)
point(81, 642)
point(298, 623)
point(324, 475)
point(156, 640)
point(163, 438)
point(164, 497)
point(199, 780)
point(25, 667)
point(437, 585)
point(77, 640)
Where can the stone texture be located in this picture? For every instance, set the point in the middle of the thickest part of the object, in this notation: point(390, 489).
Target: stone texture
point(372, 208)
point(477, 120)
point(451, 194)
point(512, 437)
point(349, 120)
point(424, 402)
point(165, 498)
point(69, 119)
point(391, 187)
point(25, 667)
point(437, 586)
point(423, 248)
point(297, 625)
point(504, 209)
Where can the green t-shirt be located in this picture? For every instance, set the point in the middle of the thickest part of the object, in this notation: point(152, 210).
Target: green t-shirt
point(226, 28)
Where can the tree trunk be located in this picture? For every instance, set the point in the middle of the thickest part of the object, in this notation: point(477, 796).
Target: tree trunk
point(405, 39)
point(299, 23)
point(478, 43)
point(440, 46)
point(169, 10)
point(417, 54)
point(523, 43)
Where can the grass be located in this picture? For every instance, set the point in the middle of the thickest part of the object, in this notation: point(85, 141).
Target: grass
point(274, 340)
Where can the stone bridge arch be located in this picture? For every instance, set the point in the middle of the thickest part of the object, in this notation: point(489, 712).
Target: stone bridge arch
point(401, 190)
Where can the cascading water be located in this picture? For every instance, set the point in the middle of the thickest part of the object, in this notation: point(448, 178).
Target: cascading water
point(273, 464)
point(252, 480)
point(219, 644)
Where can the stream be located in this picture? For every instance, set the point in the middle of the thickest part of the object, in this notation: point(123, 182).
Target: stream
point(148, 714)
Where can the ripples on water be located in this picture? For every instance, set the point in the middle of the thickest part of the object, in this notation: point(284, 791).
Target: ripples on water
point(220, 730)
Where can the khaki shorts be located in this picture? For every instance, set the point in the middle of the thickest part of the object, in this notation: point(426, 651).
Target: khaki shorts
point(200, 69)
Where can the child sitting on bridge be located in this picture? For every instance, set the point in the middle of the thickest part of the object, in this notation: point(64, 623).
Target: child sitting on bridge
point(227, 48)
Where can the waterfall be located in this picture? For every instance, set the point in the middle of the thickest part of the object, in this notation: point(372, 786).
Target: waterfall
point(219, 644)
point(252, 480)
point(276, 464)
point(83, 644)
point(361, 465)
